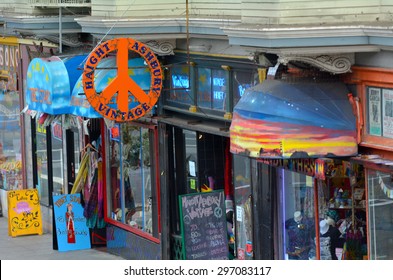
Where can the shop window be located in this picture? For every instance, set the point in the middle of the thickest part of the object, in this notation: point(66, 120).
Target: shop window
point(342, 205)
point(10, 142)
point(243, 203)
point(42, 163)
point(380, 194)
point(212, 88)
point(132, 196)
point(297, 194)
point(242, 80)
point(190, 146)
point(57, 157)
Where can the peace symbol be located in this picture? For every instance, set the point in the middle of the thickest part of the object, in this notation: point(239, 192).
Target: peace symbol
point(122, 85)
point(218, 212)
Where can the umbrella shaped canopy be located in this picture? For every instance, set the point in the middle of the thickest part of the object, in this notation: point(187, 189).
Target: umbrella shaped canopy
point(106, 71)
point(48, 86)
point(279, 119)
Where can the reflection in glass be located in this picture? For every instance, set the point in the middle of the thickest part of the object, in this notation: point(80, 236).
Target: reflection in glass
point(10, 141)
point(242, 80)
point(243, 229)
point(131, 199)
point(212, 88)
point(180, 82)
point(380, 188)
point(57, 158)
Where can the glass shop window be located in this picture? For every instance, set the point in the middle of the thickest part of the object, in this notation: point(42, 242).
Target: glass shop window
point(242, 80)
point(57, 158)
point(380, 193)
point(212, 88)
point(42, 163)
point(10, 142)
point(298, 215)
point(131, 192)
point(180, 85)
point(243, 204)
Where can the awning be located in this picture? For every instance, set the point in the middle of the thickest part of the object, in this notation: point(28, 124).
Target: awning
point(48, 86)
point(105, 73)
point(280, 119)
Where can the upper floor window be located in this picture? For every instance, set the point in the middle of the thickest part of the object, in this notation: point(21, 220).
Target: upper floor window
point(212, 88)
point(380, 112)
point(180, 85)
point(242, 80)
point(208, 86)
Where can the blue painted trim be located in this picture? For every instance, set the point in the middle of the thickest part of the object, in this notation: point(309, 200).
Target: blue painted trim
point(383, 41)
point(299, 42)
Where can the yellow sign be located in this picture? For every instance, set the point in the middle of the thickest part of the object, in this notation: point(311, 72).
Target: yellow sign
point(24, 213)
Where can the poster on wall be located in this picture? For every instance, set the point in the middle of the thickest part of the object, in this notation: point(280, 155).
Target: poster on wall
point(204, 226)
point(71, 230)
point(387, 107)
point(374, 111)
point(24, 213)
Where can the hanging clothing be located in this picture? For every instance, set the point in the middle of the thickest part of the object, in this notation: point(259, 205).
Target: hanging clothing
point(92, 203)
point(299, 238)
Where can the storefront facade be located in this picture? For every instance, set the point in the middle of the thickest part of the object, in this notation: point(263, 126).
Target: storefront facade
point(293, 173)
point(194, 120)
point(374, 87)
point(56, 135)
point(129, 154)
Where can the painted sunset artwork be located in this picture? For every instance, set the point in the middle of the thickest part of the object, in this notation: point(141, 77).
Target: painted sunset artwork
point(278, 119)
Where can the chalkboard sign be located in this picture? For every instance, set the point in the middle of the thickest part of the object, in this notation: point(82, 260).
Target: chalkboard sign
point(203, 225)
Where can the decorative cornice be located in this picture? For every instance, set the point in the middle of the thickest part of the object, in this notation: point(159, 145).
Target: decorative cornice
point(71, 40)
point(161, 47)
point(333, 63)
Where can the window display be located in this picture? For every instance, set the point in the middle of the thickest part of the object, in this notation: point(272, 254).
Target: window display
point(298, 213)
point(342, 204)
point(10, 142)
point(131, 189)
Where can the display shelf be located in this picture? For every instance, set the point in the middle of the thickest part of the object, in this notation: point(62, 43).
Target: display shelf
point(347, 208)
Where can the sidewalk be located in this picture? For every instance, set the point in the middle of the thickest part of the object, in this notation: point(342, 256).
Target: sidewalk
point(39, 247)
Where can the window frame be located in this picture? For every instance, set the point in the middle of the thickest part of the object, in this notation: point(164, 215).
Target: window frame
point(364, 78)
point(156, 212)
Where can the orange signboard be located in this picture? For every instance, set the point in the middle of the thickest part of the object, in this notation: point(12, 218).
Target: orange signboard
point(122, 88)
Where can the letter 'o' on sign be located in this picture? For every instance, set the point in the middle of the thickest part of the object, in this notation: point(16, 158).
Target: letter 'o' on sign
point(123, 99)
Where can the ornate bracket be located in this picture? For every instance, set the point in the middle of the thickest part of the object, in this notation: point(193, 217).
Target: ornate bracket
point(161, 48)
point(335, 63)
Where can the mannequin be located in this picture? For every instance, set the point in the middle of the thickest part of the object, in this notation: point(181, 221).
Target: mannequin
point(329, 240)
point(300, 235)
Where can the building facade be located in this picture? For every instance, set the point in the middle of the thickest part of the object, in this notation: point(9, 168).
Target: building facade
point(216, 57)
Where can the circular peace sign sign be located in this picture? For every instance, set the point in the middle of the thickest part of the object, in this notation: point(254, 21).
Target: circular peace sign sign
point(122, 87)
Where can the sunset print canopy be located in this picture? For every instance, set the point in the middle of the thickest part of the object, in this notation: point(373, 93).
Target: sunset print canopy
point(279, 119)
